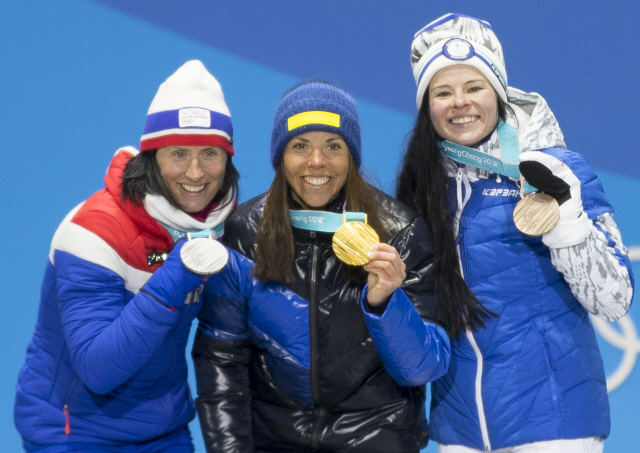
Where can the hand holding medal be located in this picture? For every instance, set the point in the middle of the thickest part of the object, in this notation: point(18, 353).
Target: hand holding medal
point(352, 243)
point(357, 244)
point(203, 255)
point(536, 214)
point(555, 212)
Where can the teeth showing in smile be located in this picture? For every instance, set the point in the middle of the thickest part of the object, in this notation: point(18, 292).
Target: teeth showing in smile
point(466, 119)
point(316, 181)
point(192, 188)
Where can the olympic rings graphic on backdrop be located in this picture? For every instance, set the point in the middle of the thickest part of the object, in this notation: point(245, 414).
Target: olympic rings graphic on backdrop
point(627, 340)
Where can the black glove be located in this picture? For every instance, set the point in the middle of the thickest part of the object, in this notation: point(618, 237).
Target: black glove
point(554, 178)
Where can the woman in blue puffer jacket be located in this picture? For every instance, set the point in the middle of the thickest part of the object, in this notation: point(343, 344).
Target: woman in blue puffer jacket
point(531, 378)
point(106, 369)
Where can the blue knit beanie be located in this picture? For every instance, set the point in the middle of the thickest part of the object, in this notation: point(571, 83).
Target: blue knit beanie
point(315, 105)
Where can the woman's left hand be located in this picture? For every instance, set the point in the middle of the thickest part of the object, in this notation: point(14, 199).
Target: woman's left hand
point(386, 273)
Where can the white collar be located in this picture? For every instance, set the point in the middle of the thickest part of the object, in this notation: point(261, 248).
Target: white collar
point(159, 208)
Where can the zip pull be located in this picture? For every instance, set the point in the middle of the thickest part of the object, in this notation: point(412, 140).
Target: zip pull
point(456, 222)
point(498, 178)
point(67, 423)
point(459, 189)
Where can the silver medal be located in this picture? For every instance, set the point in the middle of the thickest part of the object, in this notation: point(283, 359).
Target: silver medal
point(204, 256)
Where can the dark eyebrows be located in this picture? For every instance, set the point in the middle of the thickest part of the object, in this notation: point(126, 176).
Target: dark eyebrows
point(447, 86)
point(331, 139)
point(442, 86)
point(476, 81)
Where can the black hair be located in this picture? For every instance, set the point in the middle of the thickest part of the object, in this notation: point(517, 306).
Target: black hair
point(422, 185)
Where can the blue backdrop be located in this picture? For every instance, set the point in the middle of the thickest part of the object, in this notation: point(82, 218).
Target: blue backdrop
point(77, 78)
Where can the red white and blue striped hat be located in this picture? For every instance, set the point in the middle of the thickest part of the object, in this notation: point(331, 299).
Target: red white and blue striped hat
point(188, 110)
point(457, 39)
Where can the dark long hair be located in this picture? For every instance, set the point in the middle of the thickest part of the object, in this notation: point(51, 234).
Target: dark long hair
point(142, 176)
point(275, 248)
point(422, 185)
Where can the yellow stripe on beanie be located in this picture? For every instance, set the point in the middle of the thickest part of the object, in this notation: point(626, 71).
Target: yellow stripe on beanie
point(313, 117)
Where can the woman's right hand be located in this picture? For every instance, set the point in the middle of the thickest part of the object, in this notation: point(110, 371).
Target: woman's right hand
point(171, 284)
point(386, 270)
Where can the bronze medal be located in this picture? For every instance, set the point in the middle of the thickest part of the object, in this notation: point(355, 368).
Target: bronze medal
point(353, 241)
point(204, 256)
point(536, 214)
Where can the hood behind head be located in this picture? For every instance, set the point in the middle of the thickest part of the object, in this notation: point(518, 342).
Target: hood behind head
point(537, 125)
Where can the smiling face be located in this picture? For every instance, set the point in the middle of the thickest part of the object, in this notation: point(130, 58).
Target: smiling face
point(316, 166)
point(193, 174)
point(463, 105)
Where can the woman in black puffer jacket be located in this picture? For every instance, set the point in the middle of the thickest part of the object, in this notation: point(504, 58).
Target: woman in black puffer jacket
point(307, 353)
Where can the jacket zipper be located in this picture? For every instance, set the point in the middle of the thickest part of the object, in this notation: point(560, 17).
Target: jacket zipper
point(462, 200)
point(313, 344)
point(552, 371)
point(458, 216)
point(482, 420)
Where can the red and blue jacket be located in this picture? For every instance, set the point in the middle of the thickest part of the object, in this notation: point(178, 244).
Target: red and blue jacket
point(106, 364)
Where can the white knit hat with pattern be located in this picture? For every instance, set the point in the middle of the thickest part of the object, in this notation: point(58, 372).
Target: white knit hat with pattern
point(188, 109)
point(456, 39)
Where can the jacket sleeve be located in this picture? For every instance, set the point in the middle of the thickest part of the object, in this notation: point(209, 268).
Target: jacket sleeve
point(412, 344)
point(109, 338)
point(221, 357)
point(598, 270)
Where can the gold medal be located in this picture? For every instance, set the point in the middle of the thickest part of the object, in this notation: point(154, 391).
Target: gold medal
point(353, 241)
point(536, 214)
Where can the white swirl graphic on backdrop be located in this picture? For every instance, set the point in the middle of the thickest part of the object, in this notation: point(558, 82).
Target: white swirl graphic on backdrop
point(626, 339)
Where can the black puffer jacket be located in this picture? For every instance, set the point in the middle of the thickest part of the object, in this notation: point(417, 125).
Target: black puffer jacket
point(324, 374)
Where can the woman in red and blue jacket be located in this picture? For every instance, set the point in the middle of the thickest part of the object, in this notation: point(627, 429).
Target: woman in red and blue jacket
point(106, 370)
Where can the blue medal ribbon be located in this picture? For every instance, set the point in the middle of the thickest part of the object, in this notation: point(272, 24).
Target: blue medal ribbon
point(213, 233)
point(326, 222)
point(507, 166)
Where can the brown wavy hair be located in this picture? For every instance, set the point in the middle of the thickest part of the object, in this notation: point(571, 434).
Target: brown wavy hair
point(275, 248)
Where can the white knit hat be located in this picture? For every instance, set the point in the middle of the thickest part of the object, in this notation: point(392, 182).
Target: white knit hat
point(188, 109)
point(456, 39)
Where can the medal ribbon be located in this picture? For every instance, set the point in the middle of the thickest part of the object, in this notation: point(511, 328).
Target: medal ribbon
point(507, 166)
point(326, 222)
point(213, 233)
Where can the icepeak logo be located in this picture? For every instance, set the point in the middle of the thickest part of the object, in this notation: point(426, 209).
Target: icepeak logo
point(501, 193)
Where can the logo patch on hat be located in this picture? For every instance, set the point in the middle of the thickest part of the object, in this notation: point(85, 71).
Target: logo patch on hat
point(313, 117)
point(194, 117)
point(458, 49)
